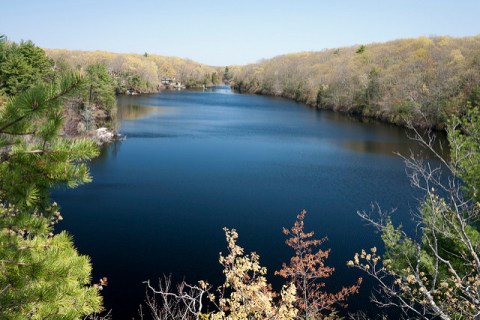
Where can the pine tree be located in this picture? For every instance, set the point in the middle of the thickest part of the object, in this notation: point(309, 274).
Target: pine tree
point(98, 87)
point(34, 157)
point(41, 274)
point(23, 66)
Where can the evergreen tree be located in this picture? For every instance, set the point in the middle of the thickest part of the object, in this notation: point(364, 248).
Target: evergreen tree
point(227, 74)
point(98, 87)
point(361, 49)
point(34, 157)
point(41, 274)
point(214, 78)
point(23, 66)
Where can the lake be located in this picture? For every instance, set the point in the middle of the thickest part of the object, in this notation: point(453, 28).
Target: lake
point(194, 162)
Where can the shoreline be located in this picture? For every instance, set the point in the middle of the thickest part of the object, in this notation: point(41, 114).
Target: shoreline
point(354, 112)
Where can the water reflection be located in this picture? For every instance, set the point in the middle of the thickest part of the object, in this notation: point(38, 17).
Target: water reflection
point(392, 148)
point(132, 112)
point(109, 151)
point(385, 148)
point(384, 139)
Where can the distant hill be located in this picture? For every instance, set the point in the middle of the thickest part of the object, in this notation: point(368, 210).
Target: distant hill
point(143, 72)
point(421, 80)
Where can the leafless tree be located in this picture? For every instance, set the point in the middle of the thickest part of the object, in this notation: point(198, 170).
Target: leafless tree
point(436, 271)
point(99, 316)
point(186, 302)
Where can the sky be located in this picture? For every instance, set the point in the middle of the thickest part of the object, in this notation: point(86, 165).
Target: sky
point(230, 32)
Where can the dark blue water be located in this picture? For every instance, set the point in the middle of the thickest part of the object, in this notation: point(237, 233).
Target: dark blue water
point(195, 162)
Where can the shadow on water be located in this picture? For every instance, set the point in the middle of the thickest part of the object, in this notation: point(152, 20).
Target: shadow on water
point(197, 161)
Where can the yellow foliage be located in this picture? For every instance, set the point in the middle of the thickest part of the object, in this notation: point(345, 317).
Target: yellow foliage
point(384, 81)
point(151, 69)
point(250, 296)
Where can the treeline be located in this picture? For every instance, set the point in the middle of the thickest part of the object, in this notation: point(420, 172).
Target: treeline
point(23, 65)
point(141, 73)
point(420, 80)
point(91, 105)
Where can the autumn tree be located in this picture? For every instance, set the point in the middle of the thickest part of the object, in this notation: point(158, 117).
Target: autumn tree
point(245, 294)
point(421, 80)
point(434, 272)
point(307, 270)
point(137, 71)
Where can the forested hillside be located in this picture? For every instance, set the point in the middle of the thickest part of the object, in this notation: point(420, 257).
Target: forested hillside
point(52, 101)
point(423, 80)
point(90, 106)
point(143, 73)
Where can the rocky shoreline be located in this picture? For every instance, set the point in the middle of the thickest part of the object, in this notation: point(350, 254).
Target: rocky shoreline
point(105, 136)
point(92, 122)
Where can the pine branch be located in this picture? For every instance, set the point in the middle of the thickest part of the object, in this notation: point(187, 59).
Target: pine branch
point(64, 92)
point(12, 123)
point(19, 133)
point(60, 94)
point(36, 151)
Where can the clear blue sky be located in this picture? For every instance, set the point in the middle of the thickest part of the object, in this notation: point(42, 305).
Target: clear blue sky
point(230, 32)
